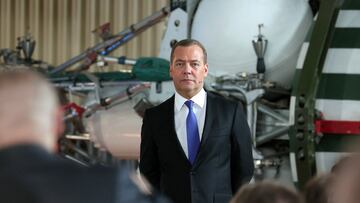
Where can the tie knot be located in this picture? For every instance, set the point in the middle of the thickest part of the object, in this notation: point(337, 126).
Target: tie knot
point(189, 104)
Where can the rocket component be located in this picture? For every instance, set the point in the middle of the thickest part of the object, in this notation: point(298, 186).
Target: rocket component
point(227, 28)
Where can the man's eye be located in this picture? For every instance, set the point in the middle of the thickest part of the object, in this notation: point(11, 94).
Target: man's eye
point(195, 64)
point(178, 64)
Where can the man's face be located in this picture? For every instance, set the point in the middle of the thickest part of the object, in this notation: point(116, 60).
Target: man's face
point(188, 70)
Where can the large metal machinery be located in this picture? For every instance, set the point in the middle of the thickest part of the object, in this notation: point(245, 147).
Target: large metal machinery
point(103, 110)
point(253, 48)
point(251, 60)
point(250, 56)
point(324, 102)
point(296, 100)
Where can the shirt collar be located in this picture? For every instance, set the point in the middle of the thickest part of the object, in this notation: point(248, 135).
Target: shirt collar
point(198, 99)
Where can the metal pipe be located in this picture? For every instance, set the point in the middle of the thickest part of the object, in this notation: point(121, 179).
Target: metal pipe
point(131, 91)
point(119, 60)
point(84, 136)
point(77, 150)
point(75, 160)
point(89, 86)
point(229, 88)
point(152, 19)
point(83, 55)
point(266, 110)
point(251, 115)
point(135, 29)
point(250, 96)
point(116, 41)
point(262, 138)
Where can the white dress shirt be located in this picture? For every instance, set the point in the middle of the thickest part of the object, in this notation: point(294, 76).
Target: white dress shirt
point(181, 111)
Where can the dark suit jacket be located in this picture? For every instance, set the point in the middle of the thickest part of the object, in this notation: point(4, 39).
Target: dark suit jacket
point(30, 174)
point(223, 163)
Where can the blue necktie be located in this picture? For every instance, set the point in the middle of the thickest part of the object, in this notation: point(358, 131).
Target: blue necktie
point(193, 139)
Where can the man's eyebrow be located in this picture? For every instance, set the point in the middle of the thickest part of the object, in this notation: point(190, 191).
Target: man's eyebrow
point(191, 61)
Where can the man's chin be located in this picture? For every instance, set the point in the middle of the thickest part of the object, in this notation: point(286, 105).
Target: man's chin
point(187, 87)
point(187, 84)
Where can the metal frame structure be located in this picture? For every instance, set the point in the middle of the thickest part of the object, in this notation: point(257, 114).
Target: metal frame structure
point(302, 133)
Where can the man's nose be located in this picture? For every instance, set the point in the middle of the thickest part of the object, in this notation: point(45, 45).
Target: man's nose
point(187, 68)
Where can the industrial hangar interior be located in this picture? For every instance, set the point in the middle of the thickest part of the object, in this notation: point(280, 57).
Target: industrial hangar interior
point(292, 66)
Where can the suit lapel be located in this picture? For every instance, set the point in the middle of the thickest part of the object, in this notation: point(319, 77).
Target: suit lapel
point(172, 132)
point(209, 120)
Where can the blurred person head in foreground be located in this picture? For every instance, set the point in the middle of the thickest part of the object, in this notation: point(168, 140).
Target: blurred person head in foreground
point(29, 110)
point(266, 192)
point(320, 189)
point(30, 120)
point(347, 179)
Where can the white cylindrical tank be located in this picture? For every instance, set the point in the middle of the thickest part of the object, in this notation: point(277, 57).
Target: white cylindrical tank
point(116, 129)
point(227, 28)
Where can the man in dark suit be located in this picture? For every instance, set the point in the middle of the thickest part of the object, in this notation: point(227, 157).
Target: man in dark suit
point(30, 120)
point(196, 146)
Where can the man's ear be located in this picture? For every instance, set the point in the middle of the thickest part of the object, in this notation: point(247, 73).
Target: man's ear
point(206, 70)
point(170, 71)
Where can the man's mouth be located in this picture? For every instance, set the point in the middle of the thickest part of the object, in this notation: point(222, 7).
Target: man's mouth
point(187, 80)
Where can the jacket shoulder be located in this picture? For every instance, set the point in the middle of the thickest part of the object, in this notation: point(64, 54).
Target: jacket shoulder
point(162, 107)
point(221, 100)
